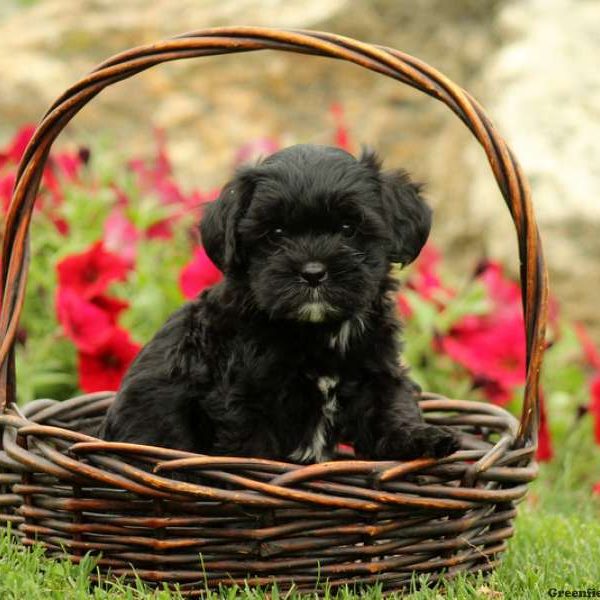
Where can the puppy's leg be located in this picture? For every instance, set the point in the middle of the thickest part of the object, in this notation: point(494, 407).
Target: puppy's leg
point(389, 424)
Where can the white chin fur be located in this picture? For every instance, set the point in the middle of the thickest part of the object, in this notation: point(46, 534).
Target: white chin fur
point(314, 312)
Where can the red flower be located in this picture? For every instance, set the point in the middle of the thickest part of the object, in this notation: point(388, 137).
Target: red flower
point(7, 183)
point(112, 307)
point(64, 164)
point(594, 407)
point(492, 350)
point(61, 224)
point(592, 357)
point(90, 272)
point(105, 367)
point(545, 451)
point(161, 230)
point(198, 274)
point(16, 147)
point(84, 323)
point(404, 306)
point(494, 391)
point(492, 346)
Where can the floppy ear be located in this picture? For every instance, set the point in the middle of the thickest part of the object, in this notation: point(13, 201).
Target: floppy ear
point(218, 227)
point(404, 210)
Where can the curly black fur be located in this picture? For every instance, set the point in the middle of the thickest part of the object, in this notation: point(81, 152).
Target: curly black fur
point(297, 349)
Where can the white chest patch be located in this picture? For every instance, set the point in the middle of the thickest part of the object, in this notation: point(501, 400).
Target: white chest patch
point(341, 339)
point(314, 450)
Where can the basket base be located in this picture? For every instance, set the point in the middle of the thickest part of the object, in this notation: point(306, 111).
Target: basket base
point(260, 522)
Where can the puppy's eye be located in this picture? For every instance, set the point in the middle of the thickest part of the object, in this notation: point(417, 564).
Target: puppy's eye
point(276, 233)
point(347, 229)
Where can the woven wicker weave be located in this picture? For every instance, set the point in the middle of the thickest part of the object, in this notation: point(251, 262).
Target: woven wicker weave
point(264, 521)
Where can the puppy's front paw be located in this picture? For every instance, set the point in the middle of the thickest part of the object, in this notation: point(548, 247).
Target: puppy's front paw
point(440, 441)
point(422, 441)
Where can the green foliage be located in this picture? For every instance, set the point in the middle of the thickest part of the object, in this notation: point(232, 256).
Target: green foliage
point(47, 360)
point(435, 372)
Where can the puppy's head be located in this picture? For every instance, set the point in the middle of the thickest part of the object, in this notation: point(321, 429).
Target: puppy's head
point(313, 230)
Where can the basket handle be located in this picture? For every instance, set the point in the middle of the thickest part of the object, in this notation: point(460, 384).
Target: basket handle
point(224, 40)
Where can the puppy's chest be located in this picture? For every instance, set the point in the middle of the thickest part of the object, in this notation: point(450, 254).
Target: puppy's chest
point(316, 439)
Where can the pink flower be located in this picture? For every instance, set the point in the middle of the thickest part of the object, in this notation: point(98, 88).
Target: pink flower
point(162, 165)
point(425, 279)
point(121, 236)
point(501, 289)
point(84, 323)
point(51, 185)
point(105, 367)
point(404, 306)
point(90, 273)
point(342, 136)
point(68, 165)
point(157, 176)
point(122, 200)
point(198, 274)
point(191, 204)
point(255, 149)
point(590, 351)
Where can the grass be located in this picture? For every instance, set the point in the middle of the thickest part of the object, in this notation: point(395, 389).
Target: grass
point(556, 545)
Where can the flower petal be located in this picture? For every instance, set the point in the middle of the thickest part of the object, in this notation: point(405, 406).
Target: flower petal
point(198, 274)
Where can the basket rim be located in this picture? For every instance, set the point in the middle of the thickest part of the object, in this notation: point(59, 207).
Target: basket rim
point(494, 471)
point(224, 40)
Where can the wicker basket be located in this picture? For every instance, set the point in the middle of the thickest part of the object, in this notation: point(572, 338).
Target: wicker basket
point(261, 521)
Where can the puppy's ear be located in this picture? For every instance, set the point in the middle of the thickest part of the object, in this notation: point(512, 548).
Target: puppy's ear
point(218, 227)
point(404, 210)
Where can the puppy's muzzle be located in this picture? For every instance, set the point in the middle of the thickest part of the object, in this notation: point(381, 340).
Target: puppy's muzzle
point(314, 273)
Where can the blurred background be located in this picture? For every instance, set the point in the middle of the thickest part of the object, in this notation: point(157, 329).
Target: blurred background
point(114, 235)
point(532, 63)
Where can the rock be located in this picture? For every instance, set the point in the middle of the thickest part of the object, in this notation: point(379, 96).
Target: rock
point(542, 88)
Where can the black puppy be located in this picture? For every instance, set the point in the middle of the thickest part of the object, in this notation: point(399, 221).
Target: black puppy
point(297, 349)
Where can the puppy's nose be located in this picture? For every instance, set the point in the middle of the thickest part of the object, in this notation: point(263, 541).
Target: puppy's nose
point(314, 273)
